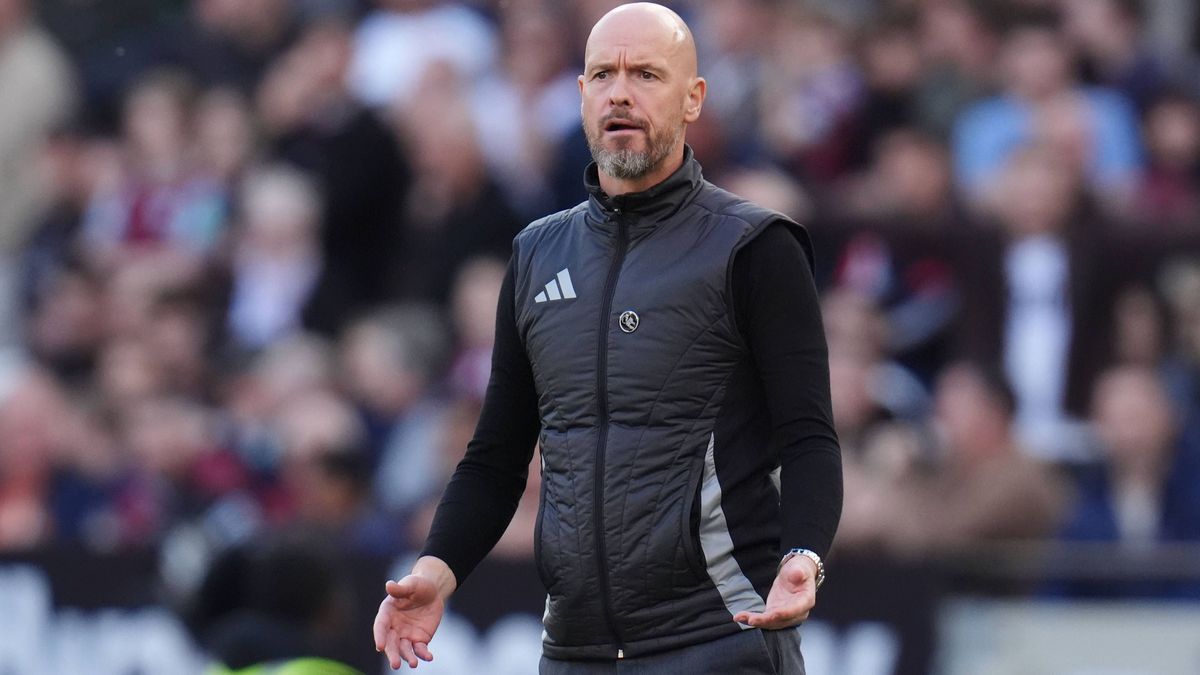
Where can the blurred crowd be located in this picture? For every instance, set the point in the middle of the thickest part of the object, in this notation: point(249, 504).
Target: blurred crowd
point(250, 252)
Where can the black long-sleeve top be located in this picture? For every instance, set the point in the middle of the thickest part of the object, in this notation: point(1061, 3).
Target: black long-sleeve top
point(775, 302)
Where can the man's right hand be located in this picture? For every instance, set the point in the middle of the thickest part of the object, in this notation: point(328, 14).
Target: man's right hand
point(411, 612)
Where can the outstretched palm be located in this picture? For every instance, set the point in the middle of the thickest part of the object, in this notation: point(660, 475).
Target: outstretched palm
point(407, 620)
point(792, 597)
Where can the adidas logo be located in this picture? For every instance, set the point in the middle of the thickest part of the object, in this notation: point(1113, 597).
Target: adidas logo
point(559, 288)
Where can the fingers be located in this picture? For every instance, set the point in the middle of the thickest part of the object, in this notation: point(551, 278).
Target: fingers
point(407, 653)
point(379, 630)
point(771, 620)
point(392, 649)
point(422, 651)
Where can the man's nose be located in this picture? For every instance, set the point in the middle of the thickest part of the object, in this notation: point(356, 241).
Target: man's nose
point(619, 92)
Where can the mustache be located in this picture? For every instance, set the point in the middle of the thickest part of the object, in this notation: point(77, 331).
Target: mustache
point(620, 118)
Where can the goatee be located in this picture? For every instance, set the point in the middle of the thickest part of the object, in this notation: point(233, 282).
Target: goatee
point(627, 163)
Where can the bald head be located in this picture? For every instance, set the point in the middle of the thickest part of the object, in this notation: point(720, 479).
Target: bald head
point(649, 24)
point(639, 92)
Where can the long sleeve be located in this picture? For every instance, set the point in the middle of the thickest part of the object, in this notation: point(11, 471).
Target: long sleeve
point(779, 314)
point(484, 491)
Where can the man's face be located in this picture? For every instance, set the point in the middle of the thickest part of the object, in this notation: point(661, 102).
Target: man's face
point(639, 92)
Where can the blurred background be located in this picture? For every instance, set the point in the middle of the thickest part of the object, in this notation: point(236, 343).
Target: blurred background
point(249, 257)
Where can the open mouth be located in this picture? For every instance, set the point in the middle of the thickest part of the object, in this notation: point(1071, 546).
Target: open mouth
point(621, 125)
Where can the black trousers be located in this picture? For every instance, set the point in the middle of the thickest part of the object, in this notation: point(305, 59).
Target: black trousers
point(750, 652)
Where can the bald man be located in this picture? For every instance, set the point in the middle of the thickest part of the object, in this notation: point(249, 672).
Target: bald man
point(661, 342)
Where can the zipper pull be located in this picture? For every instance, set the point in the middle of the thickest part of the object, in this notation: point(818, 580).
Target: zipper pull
point(620, 653)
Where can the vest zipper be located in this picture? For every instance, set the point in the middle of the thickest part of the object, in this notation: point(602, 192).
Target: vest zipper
point(610, 288)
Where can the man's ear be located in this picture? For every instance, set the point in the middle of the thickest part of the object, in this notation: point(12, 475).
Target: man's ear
point(695, 100)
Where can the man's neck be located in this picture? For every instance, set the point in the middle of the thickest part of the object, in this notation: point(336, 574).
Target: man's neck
point(619, 186)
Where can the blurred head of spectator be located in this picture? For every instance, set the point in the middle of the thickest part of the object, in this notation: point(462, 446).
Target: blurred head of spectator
point(66, 326)
point(536, 45)
point(132, 289)
point(853, 324)
point(32, 439)
point(1109, 37)
point(891, 55)
point(251, 25)
point(253, 394)
point(248, 614)
point(1173, 134)
point(908, 182)
point(974, 414)
point(1168, 197)
point(293, 366)
point(392, 357)
point(157, 125)
point(473, 311)
point(306, 85)
point(1064, 125)
point(321, 439)
point(166, 435)
point(1037, 194)
point(1141, 332)
point(127, 373)
point(224, 138)
point(1181, 288)
point(178, 336)
point(1035, 63)
point(957, 34)
point(1136, 425)
point(446, 156)
point(277, 260)
point(773, 189)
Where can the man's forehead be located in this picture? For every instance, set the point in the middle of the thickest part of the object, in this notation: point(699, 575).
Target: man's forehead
point(640, 36)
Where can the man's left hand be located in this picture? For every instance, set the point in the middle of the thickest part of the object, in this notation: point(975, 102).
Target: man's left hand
point(792, 597)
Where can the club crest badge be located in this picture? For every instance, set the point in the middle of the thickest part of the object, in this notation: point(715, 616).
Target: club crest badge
point(629, 321)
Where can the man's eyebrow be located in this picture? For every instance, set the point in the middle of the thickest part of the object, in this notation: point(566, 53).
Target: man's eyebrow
point(656, 66)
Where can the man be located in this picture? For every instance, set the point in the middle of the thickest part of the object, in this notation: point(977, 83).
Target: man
point(662, 343)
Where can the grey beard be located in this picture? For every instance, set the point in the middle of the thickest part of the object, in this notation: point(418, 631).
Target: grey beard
point(629, 164)
point(624, 164)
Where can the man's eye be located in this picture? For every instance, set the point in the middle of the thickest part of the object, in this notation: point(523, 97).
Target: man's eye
point(647, 75)
point(601, 75)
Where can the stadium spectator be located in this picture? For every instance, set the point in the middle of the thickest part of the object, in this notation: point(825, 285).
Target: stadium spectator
point(1038, 299)
point(1146, 489)
point(162, 203)
point(40, 92)
point(390, 361)
point(455, 209)
point(983, 486)
point(528, 105)
point(314, 123)
point(280, 281)
point(1168, 196)
point(1108, 36)
point(816, 89)
point(1043, 102)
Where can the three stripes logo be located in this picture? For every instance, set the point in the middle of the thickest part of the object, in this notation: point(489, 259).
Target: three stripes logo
point(559, 288)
